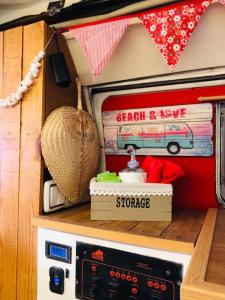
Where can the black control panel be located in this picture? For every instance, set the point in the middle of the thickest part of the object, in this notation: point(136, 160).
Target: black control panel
point(103, 274)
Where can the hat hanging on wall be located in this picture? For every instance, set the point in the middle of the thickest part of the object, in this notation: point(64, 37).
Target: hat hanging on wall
point(70, 147)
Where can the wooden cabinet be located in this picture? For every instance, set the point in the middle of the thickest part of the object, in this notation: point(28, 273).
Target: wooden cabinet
point(21, 167)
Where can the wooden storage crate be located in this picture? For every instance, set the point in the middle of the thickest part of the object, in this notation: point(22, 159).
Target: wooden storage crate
point(131, 202)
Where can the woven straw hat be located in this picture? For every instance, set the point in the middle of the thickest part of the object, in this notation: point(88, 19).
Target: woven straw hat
point(70, 146)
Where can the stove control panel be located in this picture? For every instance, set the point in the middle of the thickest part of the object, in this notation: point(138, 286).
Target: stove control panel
point(103, 274)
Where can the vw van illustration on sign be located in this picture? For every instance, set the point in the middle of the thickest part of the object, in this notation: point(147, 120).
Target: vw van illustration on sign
point(172, 136)
point(184, 130)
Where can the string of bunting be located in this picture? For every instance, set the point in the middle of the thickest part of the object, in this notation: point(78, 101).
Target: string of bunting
point(170, 28)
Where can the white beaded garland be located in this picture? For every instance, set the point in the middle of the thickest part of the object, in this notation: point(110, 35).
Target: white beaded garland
point(33, 72)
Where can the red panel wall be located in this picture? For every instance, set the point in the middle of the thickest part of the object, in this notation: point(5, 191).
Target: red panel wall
point(197, 188)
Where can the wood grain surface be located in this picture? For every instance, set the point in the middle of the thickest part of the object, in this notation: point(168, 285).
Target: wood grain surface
point(56, 96)
point(32, 117)
point(10, 76)
point(194, 286)
point(186, 226)
point(198, 264)
point(147, 234)
point(216, 267)
point(211, 98)
point(1, 62)
point(39, 101)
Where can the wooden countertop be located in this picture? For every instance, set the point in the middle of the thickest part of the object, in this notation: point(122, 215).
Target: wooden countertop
point(205, 278)
point(180, 235)
point(216, 266)
point(197, 232)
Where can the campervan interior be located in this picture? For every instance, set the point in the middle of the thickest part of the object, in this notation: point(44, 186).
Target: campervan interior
point(123, 84)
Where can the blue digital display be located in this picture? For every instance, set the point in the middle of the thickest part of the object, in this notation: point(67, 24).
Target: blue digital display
point(57, 251)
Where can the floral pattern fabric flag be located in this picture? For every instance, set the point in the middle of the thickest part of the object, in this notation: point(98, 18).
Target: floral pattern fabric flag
point(99, 41)
point(171, 28)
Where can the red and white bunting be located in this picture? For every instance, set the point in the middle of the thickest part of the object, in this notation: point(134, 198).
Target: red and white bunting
point(99, 41)
point(171, 28)
point(222, 2)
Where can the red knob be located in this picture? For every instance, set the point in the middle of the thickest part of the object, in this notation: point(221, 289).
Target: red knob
point(134, 279)
point(112, 273)
point(128, 278)
point(163, 287)
point(117, 275)
point(156, 285)
point(93, 268)
point(150, 283)
point(134, 291)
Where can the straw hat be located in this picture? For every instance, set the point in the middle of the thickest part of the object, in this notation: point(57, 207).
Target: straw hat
point(70, 146)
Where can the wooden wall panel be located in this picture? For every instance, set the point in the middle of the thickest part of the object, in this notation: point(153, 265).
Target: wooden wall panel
point(1, 62)
point(1, 94)
point(57, 96)
point(10, 73)
point(30, 194)
point(43, 95)
point(21, 167)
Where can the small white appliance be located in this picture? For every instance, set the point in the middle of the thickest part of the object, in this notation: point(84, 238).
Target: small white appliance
point(53, 198)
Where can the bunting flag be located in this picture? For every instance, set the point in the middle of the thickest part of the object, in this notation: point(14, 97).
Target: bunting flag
point(171, 28)
point(222, 2)
point(99, 41)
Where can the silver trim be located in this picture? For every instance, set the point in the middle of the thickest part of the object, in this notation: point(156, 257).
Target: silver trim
point(220, 152)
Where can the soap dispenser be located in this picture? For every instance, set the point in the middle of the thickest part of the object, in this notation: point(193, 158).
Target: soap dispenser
point(133, 174)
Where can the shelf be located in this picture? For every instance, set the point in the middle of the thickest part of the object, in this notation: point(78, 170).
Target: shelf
point(216, 265)
point(180, 235)
point(205, 275)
